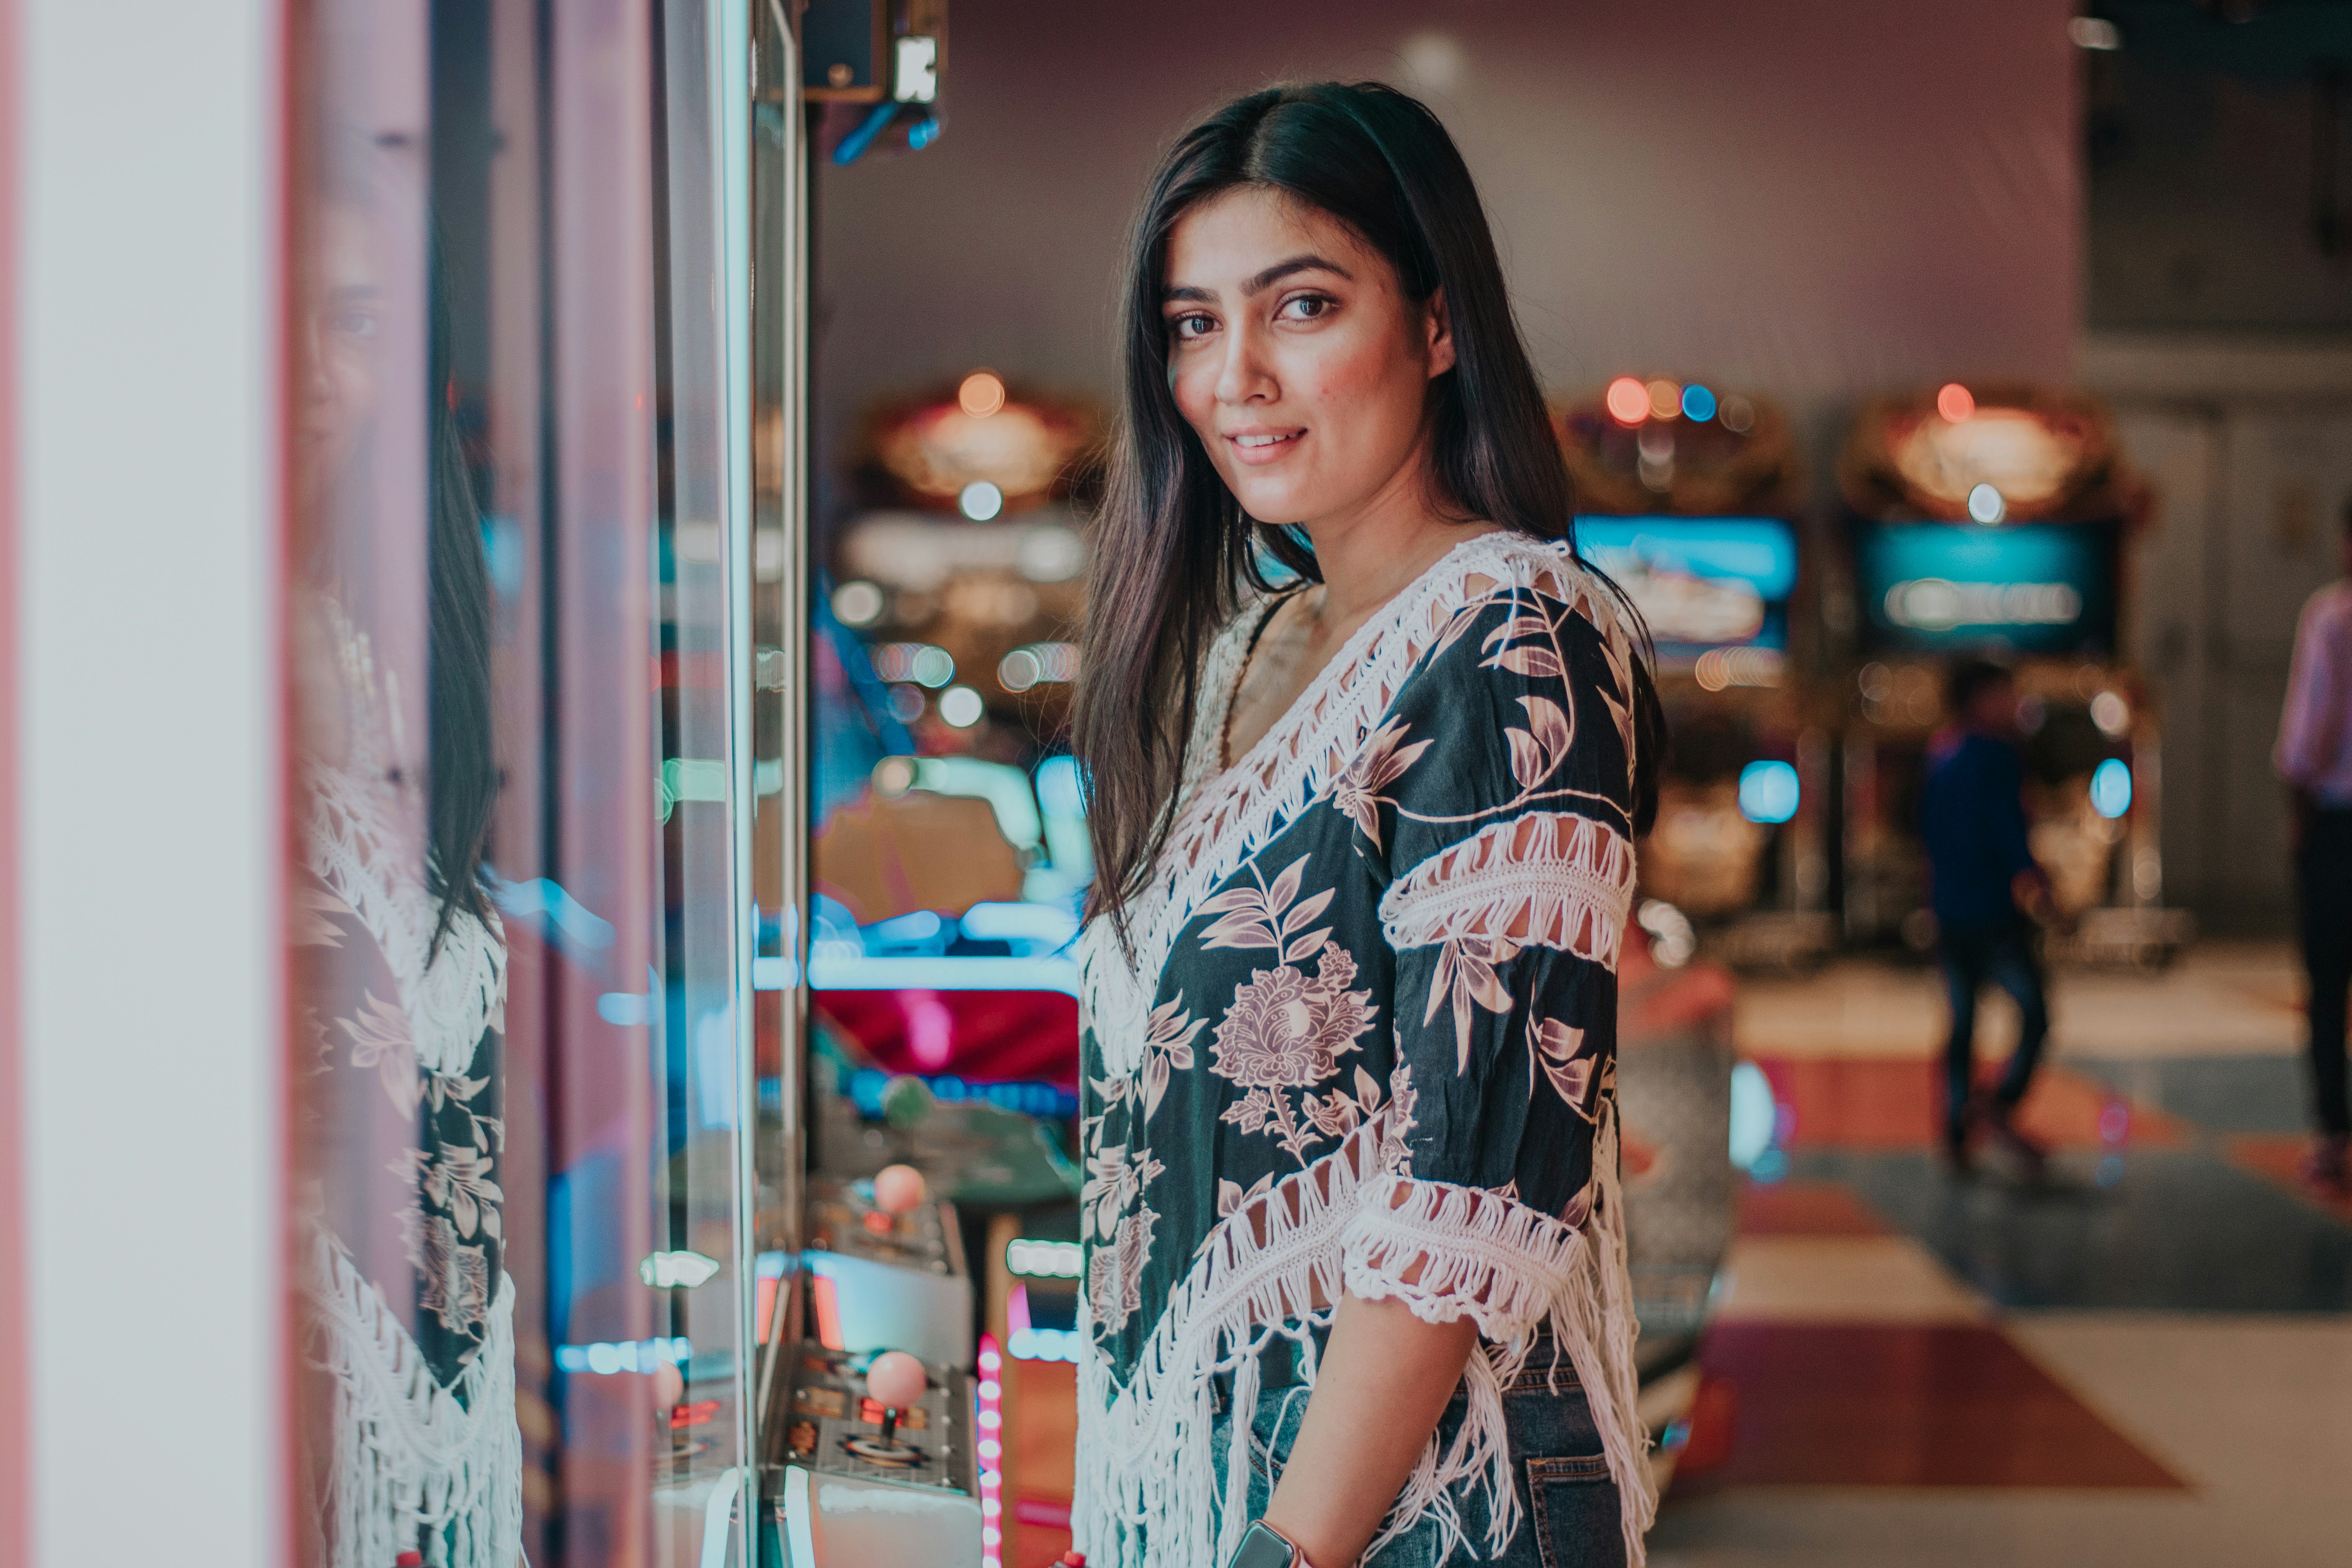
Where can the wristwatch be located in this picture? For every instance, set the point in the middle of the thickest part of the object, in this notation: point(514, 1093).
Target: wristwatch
point(1262, 1546)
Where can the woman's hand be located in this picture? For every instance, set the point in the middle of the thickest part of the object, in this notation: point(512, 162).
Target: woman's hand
point(1383, 1381)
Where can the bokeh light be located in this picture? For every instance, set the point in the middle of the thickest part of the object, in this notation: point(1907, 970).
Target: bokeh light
point(1987, 504)
point(2111, 788)
point(981, 394)
point(1955, 402)
point(980, 500)
point(857, 603)
point(1627, 400)
point(1698, 403)
point(1665, 399)
point(1769, 792)
point(960, 706)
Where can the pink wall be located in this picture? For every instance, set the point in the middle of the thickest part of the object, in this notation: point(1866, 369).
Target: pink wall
point(1817, 200)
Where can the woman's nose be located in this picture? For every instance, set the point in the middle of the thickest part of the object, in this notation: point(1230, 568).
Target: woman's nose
point(1244, 376)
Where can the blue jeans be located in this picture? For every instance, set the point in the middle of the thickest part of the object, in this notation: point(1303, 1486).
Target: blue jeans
point(1568, 1503)
point(2004, 955)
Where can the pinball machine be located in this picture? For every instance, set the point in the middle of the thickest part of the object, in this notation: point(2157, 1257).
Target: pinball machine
point(1999, 521)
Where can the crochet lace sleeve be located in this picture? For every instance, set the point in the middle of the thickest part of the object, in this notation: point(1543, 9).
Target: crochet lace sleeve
point(1510, 877)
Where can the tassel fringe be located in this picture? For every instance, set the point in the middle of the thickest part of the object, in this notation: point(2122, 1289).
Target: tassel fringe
point(1147, 1492)
point(411, 1456)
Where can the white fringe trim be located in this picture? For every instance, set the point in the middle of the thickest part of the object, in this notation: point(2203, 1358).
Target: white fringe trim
point(410, 1455)
point(1148, 1494)
point(1571, 883)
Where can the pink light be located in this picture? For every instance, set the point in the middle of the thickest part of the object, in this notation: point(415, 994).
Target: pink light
point(991, 1420)
point(1955, 402)
point(931, 1028)
point(1627, 400)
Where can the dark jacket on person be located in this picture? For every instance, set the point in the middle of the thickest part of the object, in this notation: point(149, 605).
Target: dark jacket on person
point(1973, 822)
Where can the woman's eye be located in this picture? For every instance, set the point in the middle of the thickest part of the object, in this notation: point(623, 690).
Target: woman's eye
point(1187, 328)
point(1307, 306)
point(354, 324)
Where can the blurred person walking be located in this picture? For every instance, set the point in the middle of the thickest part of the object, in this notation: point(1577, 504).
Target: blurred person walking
point(2315, 758)
point(1983, 886)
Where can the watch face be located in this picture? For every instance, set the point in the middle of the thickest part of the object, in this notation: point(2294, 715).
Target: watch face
point(1262, 1548)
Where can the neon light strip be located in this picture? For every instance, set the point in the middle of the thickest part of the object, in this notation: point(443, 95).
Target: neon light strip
point(827, 1306)
point(842, 972)
point(990, 1392)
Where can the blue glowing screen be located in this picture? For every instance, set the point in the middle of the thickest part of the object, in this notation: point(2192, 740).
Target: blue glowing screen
point(1941, 588)
point(1699, 582)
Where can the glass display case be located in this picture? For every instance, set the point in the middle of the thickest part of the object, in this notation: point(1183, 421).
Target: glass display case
point(565, 1294)
point(523, 676)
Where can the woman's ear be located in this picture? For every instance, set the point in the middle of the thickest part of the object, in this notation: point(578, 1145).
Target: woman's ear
point(1441, 334)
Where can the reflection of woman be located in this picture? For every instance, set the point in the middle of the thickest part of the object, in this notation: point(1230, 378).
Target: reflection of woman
point(401, 983)
point(1356, 1249)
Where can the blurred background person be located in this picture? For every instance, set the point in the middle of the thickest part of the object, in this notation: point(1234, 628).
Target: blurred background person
point(2315, 758)
point(1983, 887)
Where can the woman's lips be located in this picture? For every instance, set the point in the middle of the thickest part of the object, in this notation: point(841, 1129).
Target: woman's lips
point(1257, 446)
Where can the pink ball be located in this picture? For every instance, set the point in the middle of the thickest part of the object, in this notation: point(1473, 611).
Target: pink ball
point(896, 1380)
point(899, 1189)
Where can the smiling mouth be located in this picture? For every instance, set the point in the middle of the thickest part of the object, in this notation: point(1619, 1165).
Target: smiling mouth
point(1259, 447)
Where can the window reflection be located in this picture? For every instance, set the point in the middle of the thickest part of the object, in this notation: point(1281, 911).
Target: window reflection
point(400, 959)
point(520, 973)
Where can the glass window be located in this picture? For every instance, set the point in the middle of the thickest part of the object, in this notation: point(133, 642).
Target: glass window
point(522, 672)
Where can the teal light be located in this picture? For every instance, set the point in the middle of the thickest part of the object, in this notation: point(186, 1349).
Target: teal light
point(2111, 787)
point(1698, 403)
point(1769, 792)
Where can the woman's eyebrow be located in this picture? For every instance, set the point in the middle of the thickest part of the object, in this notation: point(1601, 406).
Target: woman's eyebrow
point(1260, 283)
point(1282, 270)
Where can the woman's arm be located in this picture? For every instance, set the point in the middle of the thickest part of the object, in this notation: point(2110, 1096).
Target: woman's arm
point(1382, 1382)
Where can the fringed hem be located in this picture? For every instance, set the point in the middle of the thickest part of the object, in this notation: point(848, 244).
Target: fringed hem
point(1148, 1494)
point(412, 1456)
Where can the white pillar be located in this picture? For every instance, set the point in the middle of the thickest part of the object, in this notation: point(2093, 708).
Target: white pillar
point(146, 618)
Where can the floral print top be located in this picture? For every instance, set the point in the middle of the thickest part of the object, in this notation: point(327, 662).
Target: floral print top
point(1365, 1042)
point(411, 1440)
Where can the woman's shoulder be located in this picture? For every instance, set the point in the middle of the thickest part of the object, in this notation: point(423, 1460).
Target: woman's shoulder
point(1491, 582)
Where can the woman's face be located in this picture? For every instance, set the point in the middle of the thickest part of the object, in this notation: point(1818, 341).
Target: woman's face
point(337, 347)
point(1296, 357)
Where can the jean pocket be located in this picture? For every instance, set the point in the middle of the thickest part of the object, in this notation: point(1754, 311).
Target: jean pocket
point(1573, 1504)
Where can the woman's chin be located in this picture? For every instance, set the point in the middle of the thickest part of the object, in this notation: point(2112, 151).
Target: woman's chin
point(1275, 505)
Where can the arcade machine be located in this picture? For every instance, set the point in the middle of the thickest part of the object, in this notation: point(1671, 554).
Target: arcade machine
point(1686, 497)
point(1996, 522)
point(876, 1397)
point(1683, 500)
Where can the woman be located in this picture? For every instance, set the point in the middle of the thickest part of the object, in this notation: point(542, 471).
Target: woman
point(1365, 852)
point(399, 962)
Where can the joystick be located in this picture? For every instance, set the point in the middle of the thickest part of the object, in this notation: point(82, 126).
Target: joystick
point(899, 1189)
point(895, 1382)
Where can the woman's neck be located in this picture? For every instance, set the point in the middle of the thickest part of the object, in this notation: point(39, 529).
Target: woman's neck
point(1374, 551)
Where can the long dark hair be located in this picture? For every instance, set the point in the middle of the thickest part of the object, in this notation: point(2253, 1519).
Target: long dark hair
point(1174, 547)
point(460, 719)
point(465, 782)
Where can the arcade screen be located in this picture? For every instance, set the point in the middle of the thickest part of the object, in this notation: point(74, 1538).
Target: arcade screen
point(1701, 582)
point(2027, 588)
